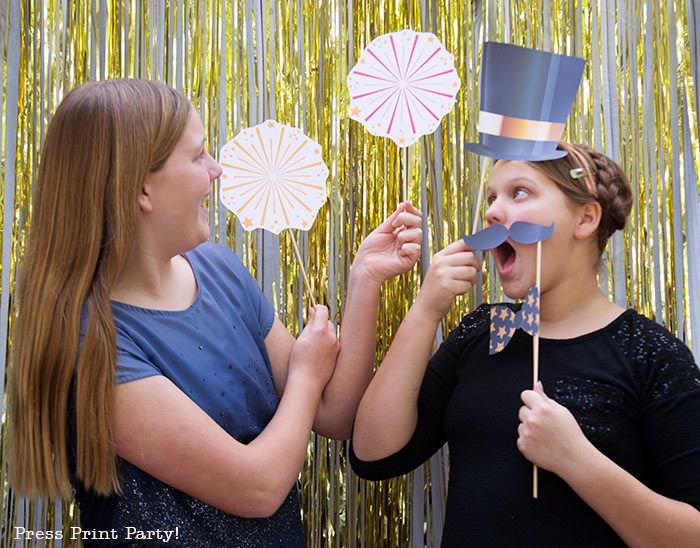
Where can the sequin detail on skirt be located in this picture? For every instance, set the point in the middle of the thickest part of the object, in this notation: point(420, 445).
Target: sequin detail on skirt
point(148, 504)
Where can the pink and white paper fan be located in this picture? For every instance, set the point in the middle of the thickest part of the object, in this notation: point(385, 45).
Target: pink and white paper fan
point(274, 177)
point(402, 85)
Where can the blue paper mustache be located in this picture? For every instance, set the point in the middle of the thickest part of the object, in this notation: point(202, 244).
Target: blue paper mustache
point(520, 231)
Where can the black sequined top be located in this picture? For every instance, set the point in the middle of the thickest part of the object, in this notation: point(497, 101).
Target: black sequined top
point(633, 387)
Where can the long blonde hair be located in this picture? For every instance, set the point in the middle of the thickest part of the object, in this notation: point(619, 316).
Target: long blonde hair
point(103, 140)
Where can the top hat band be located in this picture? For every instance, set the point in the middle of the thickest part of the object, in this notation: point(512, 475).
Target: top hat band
point(519, 128)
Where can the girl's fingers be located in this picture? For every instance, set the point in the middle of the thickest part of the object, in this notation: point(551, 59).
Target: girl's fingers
point(320, 314)
point(523, 413)
point(540, 390)
point(530, 398)
point(410, 250)
point(410, 235)
point(409, 208)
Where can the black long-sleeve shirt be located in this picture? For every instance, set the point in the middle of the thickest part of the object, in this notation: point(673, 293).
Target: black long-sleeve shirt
point(632, 386)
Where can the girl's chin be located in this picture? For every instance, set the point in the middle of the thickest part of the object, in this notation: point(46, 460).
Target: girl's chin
point(515, 291)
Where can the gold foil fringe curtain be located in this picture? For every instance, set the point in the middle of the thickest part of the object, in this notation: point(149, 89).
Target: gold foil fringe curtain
point(243, 61)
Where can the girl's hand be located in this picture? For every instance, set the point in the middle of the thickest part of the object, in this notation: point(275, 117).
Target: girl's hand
point(453, 271)
point(316, 349)
point(393, 247)
point(549, 435)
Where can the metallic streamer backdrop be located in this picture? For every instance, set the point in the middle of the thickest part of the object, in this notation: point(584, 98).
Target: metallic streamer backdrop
point(241, 61)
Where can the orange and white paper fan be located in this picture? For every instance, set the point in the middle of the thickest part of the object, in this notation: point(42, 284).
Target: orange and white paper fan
point(274, 177)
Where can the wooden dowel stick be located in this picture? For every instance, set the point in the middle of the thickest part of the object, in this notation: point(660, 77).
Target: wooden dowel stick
point(301, 265)
point(404, 181)
point(536, 350)
point(480, 193)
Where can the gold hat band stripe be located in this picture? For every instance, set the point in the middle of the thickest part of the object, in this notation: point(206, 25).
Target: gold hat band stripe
point(519, 128)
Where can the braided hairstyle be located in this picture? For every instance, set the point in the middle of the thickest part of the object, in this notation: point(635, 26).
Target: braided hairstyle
point(585, 174)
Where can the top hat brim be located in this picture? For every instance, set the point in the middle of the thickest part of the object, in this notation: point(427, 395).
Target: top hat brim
point(500, 154)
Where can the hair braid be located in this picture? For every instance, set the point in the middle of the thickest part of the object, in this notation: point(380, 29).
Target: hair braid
point(613, 193)
point(602, 180)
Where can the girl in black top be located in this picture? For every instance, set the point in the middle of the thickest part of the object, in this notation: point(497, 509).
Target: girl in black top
point(614, 424)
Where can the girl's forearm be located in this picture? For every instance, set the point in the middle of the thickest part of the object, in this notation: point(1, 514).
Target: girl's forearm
point(642, 517)
point(355, 362)
point(386, 417)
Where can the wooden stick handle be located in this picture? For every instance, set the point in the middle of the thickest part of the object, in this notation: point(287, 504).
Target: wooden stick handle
point(301, 265)
point(480, 192)
point(536, 351)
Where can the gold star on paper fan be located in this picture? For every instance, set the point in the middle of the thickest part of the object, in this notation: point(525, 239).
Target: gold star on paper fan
point(355, 111)
point(270, 124)
point(248, 222)
point(304, 224)
point(402, 140)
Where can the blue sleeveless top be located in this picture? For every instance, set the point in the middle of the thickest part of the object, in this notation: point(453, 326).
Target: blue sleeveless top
point(214, 351)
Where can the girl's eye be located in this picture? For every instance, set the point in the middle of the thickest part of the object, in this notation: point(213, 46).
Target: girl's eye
point(490, 200)
point(520, 193)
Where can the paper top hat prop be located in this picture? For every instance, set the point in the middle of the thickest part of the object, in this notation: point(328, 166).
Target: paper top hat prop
point(524, 100)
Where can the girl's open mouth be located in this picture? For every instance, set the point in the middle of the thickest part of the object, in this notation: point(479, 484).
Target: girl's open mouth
point(504, 256)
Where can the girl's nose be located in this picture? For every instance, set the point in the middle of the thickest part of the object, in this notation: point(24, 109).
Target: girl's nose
point(494, 214)
point(215, 169)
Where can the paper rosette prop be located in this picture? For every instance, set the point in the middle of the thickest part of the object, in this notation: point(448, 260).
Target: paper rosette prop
point(402, 85)
point(273, 177)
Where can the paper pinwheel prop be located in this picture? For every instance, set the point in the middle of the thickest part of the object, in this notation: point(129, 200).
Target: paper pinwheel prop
point(402, 85)
point(274, 177)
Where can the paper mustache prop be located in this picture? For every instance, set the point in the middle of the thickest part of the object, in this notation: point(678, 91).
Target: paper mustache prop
point(504, 321)
point(521, 232)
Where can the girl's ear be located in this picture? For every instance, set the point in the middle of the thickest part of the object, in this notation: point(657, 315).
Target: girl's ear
point(145, 196)
point(588, 220)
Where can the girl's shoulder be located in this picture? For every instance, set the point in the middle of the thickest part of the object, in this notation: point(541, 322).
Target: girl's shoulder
point(211, 259)
point(212, 251)
point(642, 338)
point(474, 324)
point(664, 364)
